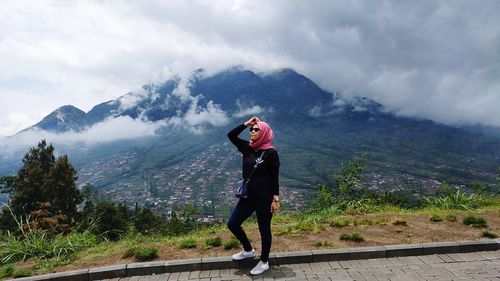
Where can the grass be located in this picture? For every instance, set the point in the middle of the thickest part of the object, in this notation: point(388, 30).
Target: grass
point(340, 223)
point(22, 272)
point(398, 230)
point(489, 234)
point(436, 218)
point(355, 236)
point(323, 243)
point(141, 253)
point(36, 244)
point(233, 243)
point(187, 243)
point(293, 224)
point(475, 221)
point(213, 242)
point(451, 218)
point(399, 221)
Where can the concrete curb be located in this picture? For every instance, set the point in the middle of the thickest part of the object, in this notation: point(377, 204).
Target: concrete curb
point(159, 267)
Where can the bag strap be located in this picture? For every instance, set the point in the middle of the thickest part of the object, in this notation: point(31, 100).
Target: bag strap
point(257, 162)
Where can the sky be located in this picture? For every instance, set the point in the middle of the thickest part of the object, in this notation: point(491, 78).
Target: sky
point(438, 60)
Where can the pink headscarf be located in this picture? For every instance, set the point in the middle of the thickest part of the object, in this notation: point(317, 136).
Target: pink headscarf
point(266, 136)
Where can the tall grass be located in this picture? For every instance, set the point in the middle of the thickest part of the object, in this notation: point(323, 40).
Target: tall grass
point(457, 201)
point(34, 243)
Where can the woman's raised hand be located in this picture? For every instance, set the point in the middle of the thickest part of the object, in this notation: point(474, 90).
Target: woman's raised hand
point(252, 121)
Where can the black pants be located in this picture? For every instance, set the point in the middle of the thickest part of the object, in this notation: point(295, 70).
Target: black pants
point(242, 211)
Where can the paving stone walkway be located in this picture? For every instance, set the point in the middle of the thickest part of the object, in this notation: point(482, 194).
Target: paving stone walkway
point(465, 266)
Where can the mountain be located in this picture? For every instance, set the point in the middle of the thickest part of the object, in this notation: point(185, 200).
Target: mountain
point(189, 158)
point(64, 119)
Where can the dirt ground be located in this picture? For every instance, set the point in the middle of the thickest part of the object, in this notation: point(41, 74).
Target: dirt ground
point(418, 229)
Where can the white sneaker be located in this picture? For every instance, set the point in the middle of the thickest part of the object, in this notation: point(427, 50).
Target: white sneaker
point(260, 268)
point(244, 255)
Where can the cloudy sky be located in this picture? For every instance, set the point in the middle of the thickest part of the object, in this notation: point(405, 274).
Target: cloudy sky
point(432, 59)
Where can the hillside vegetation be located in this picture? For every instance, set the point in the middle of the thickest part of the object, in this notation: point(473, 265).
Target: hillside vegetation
point(54, 236)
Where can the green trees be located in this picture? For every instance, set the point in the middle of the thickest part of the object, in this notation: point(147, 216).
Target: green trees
point(60, 188)
point(146, 222)
point(44, 183)
point(345, 179)
point(7, 184)
point(110, 221)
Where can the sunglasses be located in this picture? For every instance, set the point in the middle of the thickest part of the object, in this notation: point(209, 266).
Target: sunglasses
point(254, 129)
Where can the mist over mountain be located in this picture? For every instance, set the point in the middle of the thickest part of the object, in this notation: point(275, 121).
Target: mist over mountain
point(170, 137)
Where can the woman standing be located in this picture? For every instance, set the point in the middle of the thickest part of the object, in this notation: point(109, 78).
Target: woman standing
point(263, 189)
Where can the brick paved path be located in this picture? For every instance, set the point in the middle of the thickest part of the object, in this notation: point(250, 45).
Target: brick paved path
point(469, 266)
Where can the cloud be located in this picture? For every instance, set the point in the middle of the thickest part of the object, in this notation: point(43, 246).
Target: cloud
point(112, 129)
point(247, 110)
point(429, 59)
point(197, 117)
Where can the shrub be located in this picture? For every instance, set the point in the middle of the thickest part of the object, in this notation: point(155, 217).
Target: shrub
point(283, 230)
point(399, 221)
point(146, 222)
point(322, 243)
point(110, 223)
point(187, 243)
point(475, 221)
point(22, 272)
point(355, 236)
point(340, 223)
point(450, 218)
point(6, 271)
point(381, 221)
point(436, 218)
point(128, 253)
point(213, 242)
point(310, 225)
point(146, 254)
point(36, 244)
point(489, 234)
point(141, 253)
point(458, 200)
point(231, 244)
point(176, 226)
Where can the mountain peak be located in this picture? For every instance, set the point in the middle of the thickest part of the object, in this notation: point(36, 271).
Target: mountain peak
point(69, 109)
point(65, 118)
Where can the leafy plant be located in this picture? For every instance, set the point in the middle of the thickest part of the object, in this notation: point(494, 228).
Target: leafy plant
point(22, 272)
point(231, 244)
point(475, 221)
point(458, 200)
point(489, 234)
point(436, 218)
point(6, 271)
point(399, 221)
point(141, 253)
point(355, 236)
point(339, 222)
point(213, 242)
point(187, 243)
point(146, 254)
point(110, 223)
point(283, 230)
point(322, 243)
point(33, 243)
point(450, 218)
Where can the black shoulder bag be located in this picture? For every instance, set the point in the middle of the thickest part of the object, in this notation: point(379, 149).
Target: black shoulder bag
point(242, 184)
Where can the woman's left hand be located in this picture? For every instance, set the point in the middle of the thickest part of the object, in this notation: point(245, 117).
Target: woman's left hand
point(275, 205)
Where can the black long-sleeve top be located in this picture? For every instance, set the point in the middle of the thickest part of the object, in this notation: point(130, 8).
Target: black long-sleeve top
point(264, 180)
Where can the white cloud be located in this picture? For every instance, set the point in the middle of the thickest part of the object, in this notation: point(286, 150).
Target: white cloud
point(249, 111)
point(431, 59)
point(112, 129)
